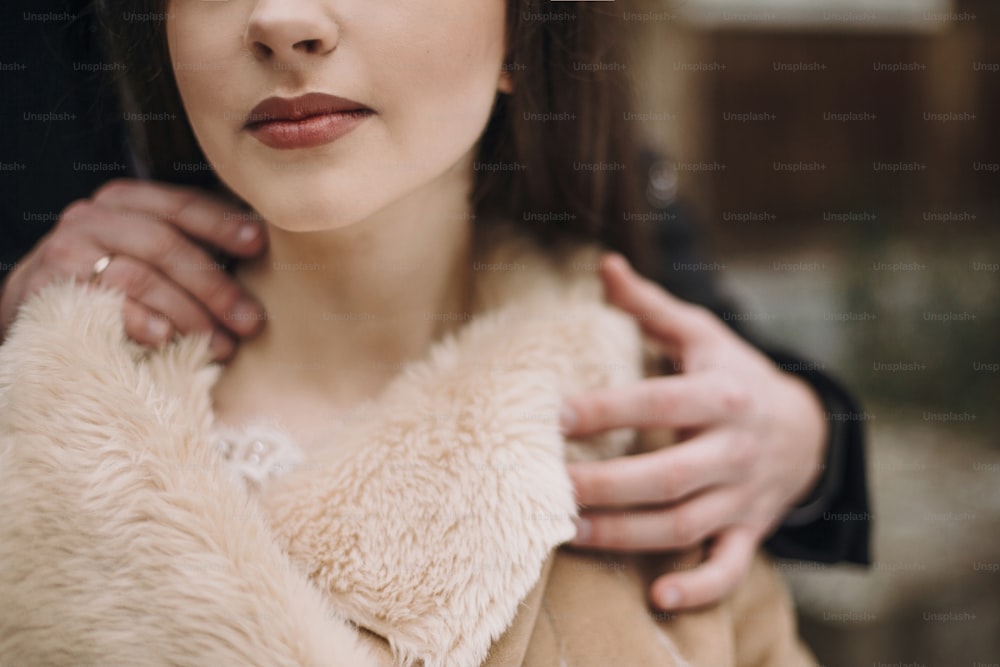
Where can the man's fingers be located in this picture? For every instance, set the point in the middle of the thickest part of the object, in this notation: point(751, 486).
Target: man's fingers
point(659, 313)
point(723, 570)
point(660, 477)
point(667, 529)
point(673, 401)
point(144, 325)
point(177, 257)
point(148, 286)
point(150, 328)
point(158, 307)
point(198, 214)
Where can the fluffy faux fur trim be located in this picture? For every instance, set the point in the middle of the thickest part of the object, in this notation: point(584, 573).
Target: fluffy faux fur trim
point(123, 539)
point(124, 536)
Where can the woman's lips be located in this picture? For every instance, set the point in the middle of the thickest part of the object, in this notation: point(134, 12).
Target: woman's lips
point(312, 119)
point(317, 130)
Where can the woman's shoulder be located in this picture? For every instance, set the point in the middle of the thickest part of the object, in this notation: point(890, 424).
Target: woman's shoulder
point(513, 261)
point(61, 322)
point(503, 236)
point(71, 335)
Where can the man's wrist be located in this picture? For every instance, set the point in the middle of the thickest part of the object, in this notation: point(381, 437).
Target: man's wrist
point(828, 467)
point(814, 434)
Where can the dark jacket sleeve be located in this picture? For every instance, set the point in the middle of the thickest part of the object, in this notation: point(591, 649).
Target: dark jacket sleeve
point(833, 524)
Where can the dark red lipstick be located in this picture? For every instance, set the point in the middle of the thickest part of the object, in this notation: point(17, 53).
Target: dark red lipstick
point(303, 122)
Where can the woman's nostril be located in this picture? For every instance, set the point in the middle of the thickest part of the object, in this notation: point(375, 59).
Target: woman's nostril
point(309, 45)
point(261, 50)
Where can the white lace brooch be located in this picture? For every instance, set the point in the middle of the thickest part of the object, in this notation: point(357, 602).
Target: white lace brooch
point(258, 450)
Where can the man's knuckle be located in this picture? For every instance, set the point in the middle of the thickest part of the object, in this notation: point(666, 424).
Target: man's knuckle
point(741, 448)
point(172, 247)
point(700, 316)
point(651, 404)
point(668, 483)
point(683, 528)
point(744, 454)
point(58, 251)
point(77, 210)
point(140, 282)
point(598, 532)
point(608, 533)
point(735, 398)
point(601, 408)
point(111, 190)
point(182, 203)
point(674, 474)
point(601, 487)
point(221, 295)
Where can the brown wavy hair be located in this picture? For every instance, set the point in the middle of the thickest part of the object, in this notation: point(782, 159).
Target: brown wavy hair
point(557, 154)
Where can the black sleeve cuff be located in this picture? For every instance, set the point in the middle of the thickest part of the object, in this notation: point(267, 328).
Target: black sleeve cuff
point(834, 523)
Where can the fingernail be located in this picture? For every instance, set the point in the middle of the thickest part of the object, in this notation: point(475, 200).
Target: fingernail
point(583, 529)
point(670, 598)
point(247, 314)
point(248, 233)
point(567, 419)
point(158, 328)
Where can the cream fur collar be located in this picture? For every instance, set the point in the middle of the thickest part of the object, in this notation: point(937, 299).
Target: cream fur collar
point(427, 524)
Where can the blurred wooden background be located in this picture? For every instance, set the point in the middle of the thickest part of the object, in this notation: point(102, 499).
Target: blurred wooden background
point(707, 75)
point(843, 158)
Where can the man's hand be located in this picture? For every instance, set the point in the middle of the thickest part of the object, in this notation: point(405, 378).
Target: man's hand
point(171, 282)
point(752, 445)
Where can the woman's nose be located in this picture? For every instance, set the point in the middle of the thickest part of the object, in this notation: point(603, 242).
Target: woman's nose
point(287, 30)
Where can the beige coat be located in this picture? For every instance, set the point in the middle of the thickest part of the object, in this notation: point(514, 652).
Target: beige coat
point(134, 531)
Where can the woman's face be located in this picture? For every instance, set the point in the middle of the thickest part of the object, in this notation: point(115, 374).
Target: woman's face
point(428, 70)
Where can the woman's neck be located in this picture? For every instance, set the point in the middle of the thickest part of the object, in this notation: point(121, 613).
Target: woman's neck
point(347, 307)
